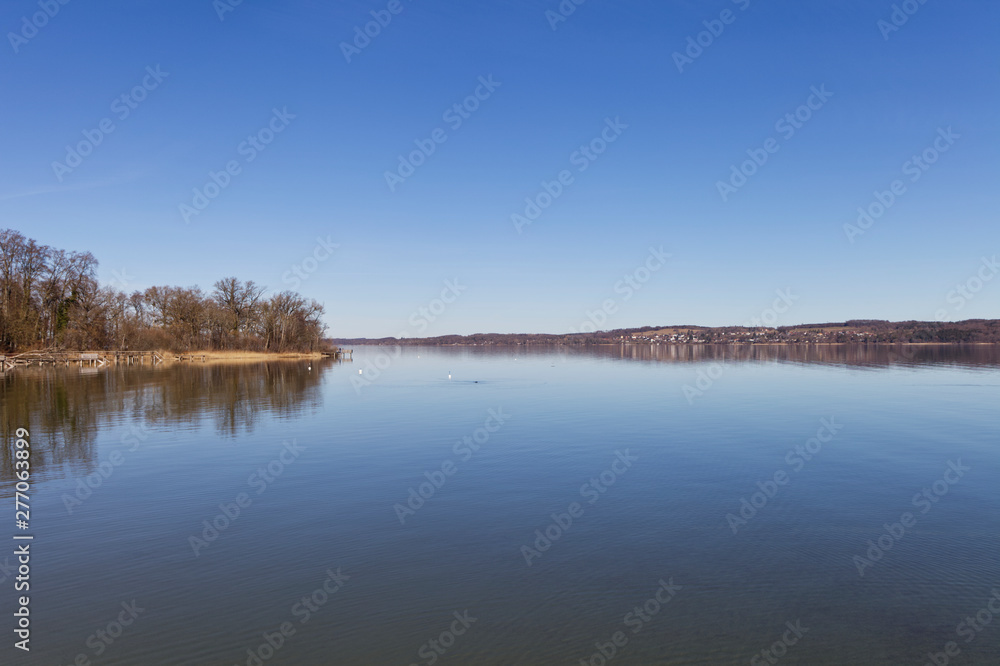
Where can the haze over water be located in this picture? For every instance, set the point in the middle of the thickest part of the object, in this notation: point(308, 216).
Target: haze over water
point(327, 459)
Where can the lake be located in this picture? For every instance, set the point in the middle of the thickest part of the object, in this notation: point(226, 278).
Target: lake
point(622, 505)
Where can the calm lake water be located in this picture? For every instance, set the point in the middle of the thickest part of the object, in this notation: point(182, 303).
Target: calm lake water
point(699, 505)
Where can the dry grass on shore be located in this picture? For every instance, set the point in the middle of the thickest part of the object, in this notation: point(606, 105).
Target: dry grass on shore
point(234, 356)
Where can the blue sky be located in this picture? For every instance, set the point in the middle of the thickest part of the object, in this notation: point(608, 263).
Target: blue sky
point(323, 175)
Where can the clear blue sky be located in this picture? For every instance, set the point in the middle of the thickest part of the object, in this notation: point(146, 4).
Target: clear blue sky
point(656, 185)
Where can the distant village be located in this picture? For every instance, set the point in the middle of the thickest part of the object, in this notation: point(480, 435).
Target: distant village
point(756, 336)
point(850, 332)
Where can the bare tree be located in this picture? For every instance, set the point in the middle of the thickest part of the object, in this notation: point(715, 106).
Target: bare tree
point(52, 297)
point(239, 302)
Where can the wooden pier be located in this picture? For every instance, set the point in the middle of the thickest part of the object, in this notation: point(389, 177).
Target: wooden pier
point(134, 357)
point(97, 359)
point(100, 359)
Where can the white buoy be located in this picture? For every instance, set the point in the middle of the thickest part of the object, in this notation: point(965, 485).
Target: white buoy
point(360, 371)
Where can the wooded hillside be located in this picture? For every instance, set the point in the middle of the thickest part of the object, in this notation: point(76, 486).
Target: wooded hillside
point(51, 298)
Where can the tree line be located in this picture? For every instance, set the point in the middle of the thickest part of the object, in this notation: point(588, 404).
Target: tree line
point(50, 298)
point(854, 331)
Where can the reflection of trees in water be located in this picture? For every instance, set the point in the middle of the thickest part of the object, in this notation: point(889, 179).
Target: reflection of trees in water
point(836, 354)
point(859, 355)
point(59, 416)
point(65, 408)
point(236, 396)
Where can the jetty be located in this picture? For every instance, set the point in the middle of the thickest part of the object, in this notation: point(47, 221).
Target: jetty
point(100, 359)
point(82, 358)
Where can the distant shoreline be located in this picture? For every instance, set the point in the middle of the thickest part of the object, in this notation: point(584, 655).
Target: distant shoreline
point(428, 343)
point(855, 331)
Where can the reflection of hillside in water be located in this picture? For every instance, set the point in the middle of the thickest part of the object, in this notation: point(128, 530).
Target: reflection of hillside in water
point(860, 355)
point(64, 408)
point(831, 354)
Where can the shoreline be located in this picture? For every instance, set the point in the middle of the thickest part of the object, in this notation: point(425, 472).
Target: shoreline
point(170, 358)
point(156, 358)
point(671, 344)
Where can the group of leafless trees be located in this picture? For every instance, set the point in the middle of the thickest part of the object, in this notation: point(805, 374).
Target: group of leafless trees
point(51, 298)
